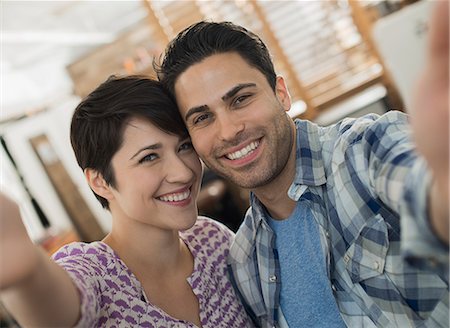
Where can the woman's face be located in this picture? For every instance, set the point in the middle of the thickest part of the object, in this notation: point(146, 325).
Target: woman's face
point(157, 176)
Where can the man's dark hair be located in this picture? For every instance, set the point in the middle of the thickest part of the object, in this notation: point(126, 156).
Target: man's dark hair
point(204, 39)
point(99, 121)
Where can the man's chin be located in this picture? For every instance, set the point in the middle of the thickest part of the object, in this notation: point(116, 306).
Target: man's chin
point(248, 181)
point(245, 177)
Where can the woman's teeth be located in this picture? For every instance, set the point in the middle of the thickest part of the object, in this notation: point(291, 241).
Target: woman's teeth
point(175, 197)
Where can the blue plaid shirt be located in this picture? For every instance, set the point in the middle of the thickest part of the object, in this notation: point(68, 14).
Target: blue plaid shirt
point(366, 187)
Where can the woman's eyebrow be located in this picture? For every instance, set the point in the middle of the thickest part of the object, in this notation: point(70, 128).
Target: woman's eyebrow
point(154, 146)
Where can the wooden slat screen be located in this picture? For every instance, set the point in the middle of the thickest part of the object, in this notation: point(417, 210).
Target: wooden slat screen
point(316, 45)
point(324, 47)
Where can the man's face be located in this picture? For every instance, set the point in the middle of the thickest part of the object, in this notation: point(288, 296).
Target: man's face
point(238, 124)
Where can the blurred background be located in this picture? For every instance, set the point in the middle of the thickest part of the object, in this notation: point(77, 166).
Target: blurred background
point(340, 58)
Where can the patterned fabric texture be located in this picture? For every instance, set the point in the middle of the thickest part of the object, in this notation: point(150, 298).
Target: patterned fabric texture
point(111, 296)
point(360, 178)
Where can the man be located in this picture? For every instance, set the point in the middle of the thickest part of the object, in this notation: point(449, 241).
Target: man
point(320, 244)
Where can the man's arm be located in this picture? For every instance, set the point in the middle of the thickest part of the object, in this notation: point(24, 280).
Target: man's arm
point(34, 289)
point(430, 118)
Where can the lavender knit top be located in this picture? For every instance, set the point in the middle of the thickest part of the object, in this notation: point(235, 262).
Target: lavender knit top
point(111, 296)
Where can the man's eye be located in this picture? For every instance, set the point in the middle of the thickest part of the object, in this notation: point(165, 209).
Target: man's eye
point(148, 158)
point(240, 100)
point(200, 118)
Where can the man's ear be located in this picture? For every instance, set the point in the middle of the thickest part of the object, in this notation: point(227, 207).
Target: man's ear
point(98, 183)
point(282, 93)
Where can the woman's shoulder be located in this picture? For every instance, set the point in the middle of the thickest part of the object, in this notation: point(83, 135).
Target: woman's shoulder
point(208, 227)
point(95, 255)
point(208, 232)
point(82, 249)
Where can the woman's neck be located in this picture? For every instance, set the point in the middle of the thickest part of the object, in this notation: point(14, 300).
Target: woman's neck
point(148, 249)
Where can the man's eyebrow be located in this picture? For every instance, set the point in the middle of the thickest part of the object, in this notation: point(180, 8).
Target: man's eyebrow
point(236, 89)
point(150, 147)
point(193, 110)
point(225, 97)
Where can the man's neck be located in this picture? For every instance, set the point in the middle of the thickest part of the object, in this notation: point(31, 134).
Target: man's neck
point(274, 195)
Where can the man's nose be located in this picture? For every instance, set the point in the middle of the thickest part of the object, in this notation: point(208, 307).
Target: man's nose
point(229, 126)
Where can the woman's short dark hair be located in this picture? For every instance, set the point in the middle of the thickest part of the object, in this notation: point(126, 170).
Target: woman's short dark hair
point(99, 121)
point(204, 39)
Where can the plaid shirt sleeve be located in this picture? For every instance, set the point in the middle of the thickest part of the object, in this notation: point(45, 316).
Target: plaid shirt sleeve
point(420, 245)
point(402, 181)
point(376, 180)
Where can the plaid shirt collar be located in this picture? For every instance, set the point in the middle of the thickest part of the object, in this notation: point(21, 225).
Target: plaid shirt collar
point(310, 168)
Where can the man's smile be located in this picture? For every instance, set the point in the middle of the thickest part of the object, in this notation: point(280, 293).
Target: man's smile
point(243, 152)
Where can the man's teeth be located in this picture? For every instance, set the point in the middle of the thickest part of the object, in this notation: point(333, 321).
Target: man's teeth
point(244, 151)
point(175, 197)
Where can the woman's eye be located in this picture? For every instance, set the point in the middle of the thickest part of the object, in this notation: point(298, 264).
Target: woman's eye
point(148, 158)
point(186, 146)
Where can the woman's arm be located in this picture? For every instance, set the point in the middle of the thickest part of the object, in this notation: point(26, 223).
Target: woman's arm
point(35, 290)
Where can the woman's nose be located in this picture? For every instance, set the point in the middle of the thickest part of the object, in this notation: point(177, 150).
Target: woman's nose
point(177, 171)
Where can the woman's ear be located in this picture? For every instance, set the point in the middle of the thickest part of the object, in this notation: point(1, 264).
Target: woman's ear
point(282, 93)
point(98, 183)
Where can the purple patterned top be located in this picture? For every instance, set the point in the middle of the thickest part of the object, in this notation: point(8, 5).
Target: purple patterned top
point(111, 296)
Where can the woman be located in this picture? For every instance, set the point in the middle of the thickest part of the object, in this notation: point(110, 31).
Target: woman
point(161, 265)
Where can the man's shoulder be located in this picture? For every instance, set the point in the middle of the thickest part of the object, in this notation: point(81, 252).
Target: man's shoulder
point(356, 123)
point(367, 130)
point(371, 122)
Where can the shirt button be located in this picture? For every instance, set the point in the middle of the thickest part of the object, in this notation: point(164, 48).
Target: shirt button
point(376, 265)
point(327, 234)
point(346, 258)
point(333, 287)
point(433, 262)
point(273, 278)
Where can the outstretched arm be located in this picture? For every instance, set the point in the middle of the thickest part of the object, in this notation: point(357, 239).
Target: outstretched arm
point(430, 118)
point(34, 289)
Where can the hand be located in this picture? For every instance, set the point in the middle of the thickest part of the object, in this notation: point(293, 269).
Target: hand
point(430, 116)
point(18, 255)
point(35, 290)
